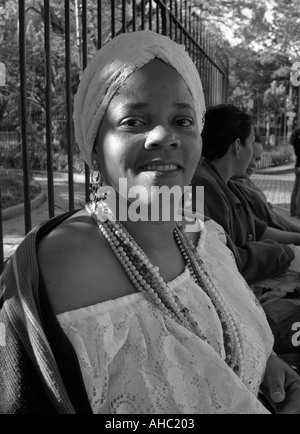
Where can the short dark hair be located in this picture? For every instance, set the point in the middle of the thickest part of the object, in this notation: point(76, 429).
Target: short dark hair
point(223, 125)
point(295, 138)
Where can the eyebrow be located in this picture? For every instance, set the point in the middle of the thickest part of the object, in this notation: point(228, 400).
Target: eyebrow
point(135, 105)
point(183, 106)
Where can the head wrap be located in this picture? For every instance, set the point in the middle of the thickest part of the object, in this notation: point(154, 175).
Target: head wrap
point(110, 67)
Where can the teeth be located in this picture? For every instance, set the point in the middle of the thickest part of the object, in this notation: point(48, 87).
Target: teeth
point(157, 168)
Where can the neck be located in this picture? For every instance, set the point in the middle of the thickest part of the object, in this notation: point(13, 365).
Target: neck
point(152, 236)
point(224, 167)
point(153, 231)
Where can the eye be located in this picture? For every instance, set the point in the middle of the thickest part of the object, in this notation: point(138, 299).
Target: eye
point(184, 122)
point(132, 122)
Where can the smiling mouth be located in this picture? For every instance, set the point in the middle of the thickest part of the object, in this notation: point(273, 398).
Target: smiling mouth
point(161, 168)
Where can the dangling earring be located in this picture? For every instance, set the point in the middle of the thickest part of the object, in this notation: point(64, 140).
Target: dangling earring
point(98, 190)
point(188, 196)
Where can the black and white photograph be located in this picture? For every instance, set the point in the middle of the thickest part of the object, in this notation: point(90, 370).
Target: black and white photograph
point(150, 209)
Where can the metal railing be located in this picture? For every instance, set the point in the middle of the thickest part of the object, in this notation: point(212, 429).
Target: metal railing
point(83, 27)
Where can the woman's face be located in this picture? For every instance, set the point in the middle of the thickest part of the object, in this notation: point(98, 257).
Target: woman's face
point(149, 133)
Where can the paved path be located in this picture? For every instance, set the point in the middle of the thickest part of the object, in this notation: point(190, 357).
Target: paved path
point(277, 183)
point(14, 228)
point(278, 188)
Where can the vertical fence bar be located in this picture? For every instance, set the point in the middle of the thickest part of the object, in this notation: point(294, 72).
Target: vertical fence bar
point(143, 14)
point(190, 29)
point(84, 64)
point(181, 21)
point(176, 25)
point(208, 67)
point(157, 18)
point(194, 38)
point(205, 67)
point(150, 14)
point(113, 18)
point(171, 20)
point(164, 27)
point(199, 45)
point(211, 69)
point(133, 15)
point(185, 22)
point(123, 16)
point(23, 116)
point(99, 24)
point(216, 77)
point(208, 72)
point(69, 105)
point(49, 109)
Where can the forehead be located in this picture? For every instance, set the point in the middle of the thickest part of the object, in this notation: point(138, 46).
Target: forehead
point(157, 80)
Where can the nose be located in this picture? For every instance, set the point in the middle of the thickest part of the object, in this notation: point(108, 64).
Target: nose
point(161, 136)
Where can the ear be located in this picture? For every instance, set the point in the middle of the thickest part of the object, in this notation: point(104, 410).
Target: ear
point(236, 148)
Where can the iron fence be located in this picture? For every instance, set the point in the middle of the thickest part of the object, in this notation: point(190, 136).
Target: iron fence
point(73, 30)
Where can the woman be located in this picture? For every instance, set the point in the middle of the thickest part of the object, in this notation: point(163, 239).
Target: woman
point(122, 316)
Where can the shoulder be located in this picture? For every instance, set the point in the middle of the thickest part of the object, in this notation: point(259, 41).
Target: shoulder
point(77, 265)
point(67, 241)
point(203, 176)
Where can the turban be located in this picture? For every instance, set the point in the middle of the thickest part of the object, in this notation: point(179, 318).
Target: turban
point(111, 66)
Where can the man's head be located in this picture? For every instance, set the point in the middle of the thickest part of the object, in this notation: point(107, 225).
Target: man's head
point(228, 132)
point(295, 138)
point(257, 153)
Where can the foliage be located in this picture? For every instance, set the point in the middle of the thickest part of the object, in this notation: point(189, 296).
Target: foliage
point(9, 56)
point(262, 46)
point(12, 188)
point(281, 159)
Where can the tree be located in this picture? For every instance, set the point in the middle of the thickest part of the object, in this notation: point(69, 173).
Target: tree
point(262, 44)
point(9, 98)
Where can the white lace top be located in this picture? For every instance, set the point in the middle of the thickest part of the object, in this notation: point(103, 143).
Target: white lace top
point(135, 360)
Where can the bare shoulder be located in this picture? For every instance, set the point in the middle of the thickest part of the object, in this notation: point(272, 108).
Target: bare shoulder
point(78, 267)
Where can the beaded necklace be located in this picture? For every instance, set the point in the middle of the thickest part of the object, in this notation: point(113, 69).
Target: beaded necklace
point(146, 279)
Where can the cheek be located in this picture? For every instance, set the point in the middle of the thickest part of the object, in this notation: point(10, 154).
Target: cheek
point(119, 154)
point(108, 158)
point(194, 155)
point(195, 150)
point(249, 155)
